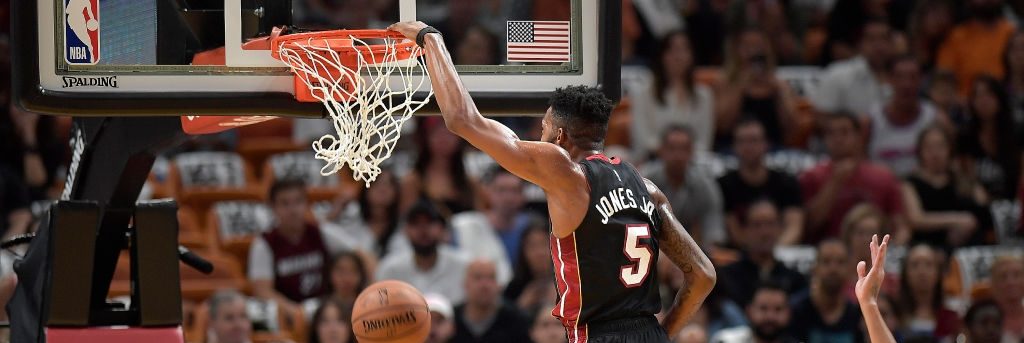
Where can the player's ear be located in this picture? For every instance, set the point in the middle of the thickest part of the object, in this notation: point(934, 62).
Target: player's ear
point(561, 136)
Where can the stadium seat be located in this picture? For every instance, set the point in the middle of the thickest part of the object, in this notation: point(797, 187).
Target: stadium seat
point(970, 267)
point(191, 233)
point(258, 142)
point(231, 226)
point(302, 166)
point(195, 286)
point(203, 178)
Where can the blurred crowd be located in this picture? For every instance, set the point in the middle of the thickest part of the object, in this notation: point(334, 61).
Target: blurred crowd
point(785, 133)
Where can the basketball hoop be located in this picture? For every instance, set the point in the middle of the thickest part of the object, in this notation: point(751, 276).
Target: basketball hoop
point(353, 79)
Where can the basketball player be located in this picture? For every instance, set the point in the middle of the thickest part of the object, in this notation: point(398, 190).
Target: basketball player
point(607, 222)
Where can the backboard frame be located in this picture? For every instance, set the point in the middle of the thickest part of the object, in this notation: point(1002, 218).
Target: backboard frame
point(29, 92)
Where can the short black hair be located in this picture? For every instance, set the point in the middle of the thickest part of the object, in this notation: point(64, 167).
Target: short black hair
point(747, 120)
point(676, 128)
point(767, 285)
point(973, 311)
point(872, 20)
point(743, 212)
point(283, 185)
point(583, 112)
point(841, 115)
point(425, 209)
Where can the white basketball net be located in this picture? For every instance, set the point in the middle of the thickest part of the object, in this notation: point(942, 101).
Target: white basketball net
point(368, 125)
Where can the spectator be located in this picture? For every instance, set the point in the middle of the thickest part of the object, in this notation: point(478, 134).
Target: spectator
point(377, 207)
point(347, 277)
point(721, 312)
point(439, 175)
point(429, 267)
point(761, 229)
point(896, 124)
point(442, 316)
point(484, 317)
point(751, 89)
point(930, 23)
point(1008, 281)
point(546, 328)
point(826, 315)
point(753, 180)
point(983, 322)
point(942, 92)
point(495, 232)
point(769, 316)
point(832, 188)
point(674, 98)
point(331, 323)
point(920, 299)
point(779, 20)
point(988, 148)
point(532, 283)
point(854, 84)
point(32, 149)
point(976, 46)
point(477, 47)
point(858, 226)
point(229, 321)
point(1015, 79)
point(287, 263)
point(943, 209)
point(693, 193)
point(844, 25)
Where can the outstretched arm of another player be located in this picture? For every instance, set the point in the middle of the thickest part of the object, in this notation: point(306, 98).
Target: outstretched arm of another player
point(532, 161)
point(868, 285)
point(697, 269)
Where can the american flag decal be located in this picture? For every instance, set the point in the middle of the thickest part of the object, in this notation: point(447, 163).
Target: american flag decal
point(538, 41)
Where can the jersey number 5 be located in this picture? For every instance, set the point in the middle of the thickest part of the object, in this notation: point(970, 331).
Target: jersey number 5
point(634, 274)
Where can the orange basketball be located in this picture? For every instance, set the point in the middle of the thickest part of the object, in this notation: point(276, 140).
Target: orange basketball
point(391, 312)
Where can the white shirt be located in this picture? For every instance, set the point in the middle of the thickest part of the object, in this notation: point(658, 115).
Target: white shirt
point(741, 334)
point(849, 85)
point(895, 146)
point(476, 238)
point(445, 278)
point(650, 117)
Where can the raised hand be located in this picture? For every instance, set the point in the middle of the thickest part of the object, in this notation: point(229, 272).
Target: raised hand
point(870, 282)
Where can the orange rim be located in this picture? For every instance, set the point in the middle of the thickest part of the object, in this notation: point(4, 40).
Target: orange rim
point(341, 41)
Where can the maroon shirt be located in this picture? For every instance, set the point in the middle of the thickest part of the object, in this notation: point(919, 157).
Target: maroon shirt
point(870, 182)
point(299, 269)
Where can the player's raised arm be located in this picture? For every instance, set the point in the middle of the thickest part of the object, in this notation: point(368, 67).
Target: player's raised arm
point(523, 158)
point(869, 283)
point(697, 269)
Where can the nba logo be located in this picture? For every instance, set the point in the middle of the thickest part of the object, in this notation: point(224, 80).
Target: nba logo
point(82, 31)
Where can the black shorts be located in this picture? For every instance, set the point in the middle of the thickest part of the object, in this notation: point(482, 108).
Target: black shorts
point(645, 329)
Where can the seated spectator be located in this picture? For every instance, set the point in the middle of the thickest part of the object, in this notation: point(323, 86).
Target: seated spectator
point(779, 20)
point(859, 225)
point(921, 298)
point(833, 187)
point(546, 328)
point(989, 151)
point(377, 207)
point(229, 321)
point(429, 266)
point(943, 209)
point(984, 323)
point(693, 193)
point(930, 23)
point(673, 98)
point(941, 90)
point(532, 283)
point(844, 26)
point(976, 46)
point(761, 228)
point(1014, 80)
point(895, 125)
point(484, 317)
point(720, 312)
point(494, 233)
point(439, 174)
point(750, 89)
point(347, 276)
point(332, 323)
point(854, 84)
point(442, 318)
point(1008, 285)
point(287, 263)
point(769, 316)
point(753, 180)
point(826, 315)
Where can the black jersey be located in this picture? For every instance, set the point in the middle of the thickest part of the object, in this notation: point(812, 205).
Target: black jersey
point(606, 269)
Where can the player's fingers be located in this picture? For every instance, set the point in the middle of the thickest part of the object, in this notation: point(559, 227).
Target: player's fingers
point(861, 269)
point(880, 259)
point(873, 246)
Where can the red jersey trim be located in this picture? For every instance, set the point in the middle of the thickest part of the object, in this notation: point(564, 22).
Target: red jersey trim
point(567, 277)
point(613, 160)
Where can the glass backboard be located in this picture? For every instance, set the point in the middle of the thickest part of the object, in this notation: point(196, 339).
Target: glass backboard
point(187, 57)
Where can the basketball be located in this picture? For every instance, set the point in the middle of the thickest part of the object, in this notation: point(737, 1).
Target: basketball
point(92, 24)
point(391, 312)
